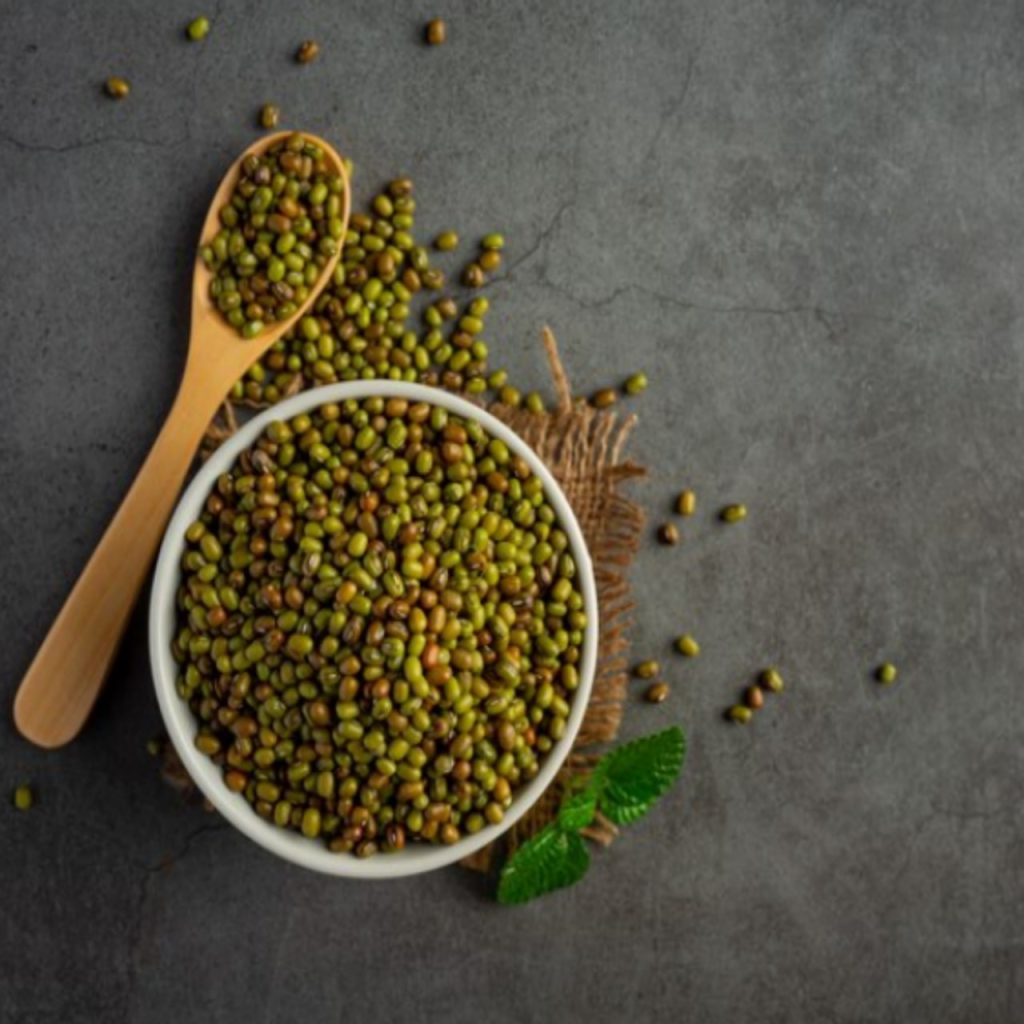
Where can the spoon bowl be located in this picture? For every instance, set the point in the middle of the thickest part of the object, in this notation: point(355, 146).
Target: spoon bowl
point(64, 679)
point(212, 338)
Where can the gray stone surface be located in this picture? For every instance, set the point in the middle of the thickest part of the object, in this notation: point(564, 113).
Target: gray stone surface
point(804, 220)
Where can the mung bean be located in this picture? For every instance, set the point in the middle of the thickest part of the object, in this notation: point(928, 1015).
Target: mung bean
point(635, 384)
point(646, 669)
point(269, 116)
point(198, 28)
point(23, 798)
point(436, 32)
point(116, 88)
point(687, 646)
point(657, 693)
point(886, 673)
point(668, 533)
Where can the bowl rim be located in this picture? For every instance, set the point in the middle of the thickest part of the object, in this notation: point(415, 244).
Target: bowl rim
point(178, 718)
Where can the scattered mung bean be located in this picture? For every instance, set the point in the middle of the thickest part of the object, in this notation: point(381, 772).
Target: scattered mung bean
point(308, 51)
point(446, 241)
point(198, 28)
point(436, 32)
point(603, 398)
point(754, 696)
point(23, 798)
point(359, 328)
point(646, 669)
point(771, 680)
point(489, 260)
point(687, 646)
point(668, 533)
point(269, 115)
point(635, 384)
point(534, 403)
point(116, 88)
point(886, 673)
point(657, 693)
point(686, 503)
point(740, 714)
point(733, 513)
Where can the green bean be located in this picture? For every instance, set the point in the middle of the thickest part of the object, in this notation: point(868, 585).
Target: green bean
point(635, 384)
point(269, 116)
point(668, 533)
point(473, 276)
point(886, 673)
point(687, 646)
point(23, 798)
point(307, 52)
point(489, 261)
point(534, 403)
point(657, 693)
point(686, 503)
point(116, 88)
point(198, 28)
point(647, 669)
point(733, 513)
point(436, 32)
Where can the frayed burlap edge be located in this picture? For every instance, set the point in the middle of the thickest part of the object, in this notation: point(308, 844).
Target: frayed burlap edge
point(582, 446)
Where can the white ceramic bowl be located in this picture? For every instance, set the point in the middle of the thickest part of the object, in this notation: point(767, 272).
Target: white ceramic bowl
point(181, 724)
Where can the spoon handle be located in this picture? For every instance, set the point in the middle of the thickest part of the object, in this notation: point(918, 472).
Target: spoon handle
point(64, 679)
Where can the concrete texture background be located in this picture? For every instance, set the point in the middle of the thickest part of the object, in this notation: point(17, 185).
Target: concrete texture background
point(804, 221)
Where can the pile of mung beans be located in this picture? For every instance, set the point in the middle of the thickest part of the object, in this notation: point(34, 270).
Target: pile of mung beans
point(281, 226)
point(362, 326)
point(379, 625)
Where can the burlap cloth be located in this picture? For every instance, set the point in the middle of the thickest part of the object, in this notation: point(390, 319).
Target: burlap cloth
point(582, 446)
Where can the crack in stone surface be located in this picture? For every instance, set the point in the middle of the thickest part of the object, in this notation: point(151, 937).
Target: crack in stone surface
point(538, 244)
point(823, 315)
point(150, 873)
point(8, 139)
point(673, 109)
point(118, 1006)
point(169, 859)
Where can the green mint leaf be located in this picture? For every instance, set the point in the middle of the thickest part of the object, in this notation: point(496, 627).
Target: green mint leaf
point(636, 774)
point(579, 807)
point(552, 859)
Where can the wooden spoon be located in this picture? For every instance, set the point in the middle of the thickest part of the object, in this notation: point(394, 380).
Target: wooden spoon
point(62, 682)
